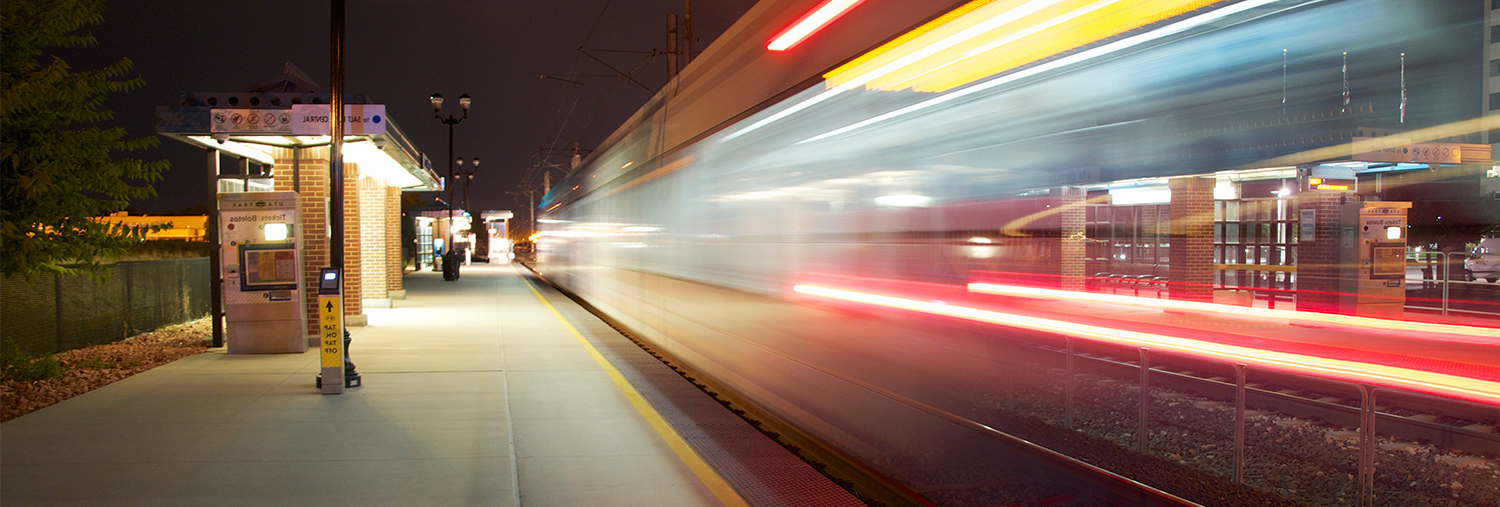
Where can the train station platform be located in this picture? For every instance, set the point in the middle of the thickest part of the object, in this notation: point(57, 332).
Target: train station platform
point(492, 390)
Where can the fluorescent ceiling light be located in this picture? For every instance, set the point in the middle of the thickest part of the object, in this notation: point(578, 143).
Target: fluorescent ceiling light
point(376, 164)
point(821, 16)
point(904, 201)
point(1224, 191)
point(259, 153)
point(1141, 195)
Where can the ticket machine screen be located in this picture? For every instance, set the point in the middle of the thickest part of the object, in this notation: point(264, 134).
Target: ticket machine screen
point(268, 267)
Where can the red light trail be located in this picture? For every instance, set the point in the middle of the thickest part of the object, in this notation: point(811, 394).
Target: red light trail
point(1473, 389)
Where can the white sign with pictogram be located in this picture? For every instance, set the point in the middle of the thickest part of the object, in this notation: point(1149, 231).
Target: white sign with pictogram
point(359, 119)
point(250, 121)
point(1402, 151)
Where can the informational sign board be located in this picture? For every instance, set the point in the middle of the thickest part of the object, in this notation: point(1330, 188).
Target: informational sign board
point(330, 310)
point(1408, 152)
point(1309, 226)
point(331, 375)
point(250, 121)
point(359, 119)
point(300, 120)
point(1437, 153)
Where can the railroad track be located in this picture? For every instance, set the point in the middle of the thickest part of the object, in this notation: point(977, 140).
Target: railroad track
point(1308, 397)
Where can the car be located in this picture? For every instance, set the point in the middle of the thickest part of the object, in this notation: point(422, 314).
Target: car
point(1484, 261)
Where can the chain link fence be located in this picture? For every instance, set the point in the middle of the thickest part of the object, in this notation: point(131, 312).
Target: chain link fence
point(52, 313)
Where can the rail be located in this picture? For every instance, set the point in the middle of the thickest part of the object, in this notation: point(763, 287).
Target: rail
point(1367, 413)
point(1136, 284)
point(1445, 281)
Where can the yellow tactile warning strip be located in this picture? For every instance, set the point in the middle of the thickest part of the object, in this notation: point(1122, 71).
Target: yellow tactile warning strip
point(695, 463)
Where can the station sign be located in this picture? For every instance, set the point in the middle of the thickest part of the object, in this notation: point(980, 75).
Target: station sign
point(250, 121)
point(299, 120)
point(359, 119)
point(1408, 152)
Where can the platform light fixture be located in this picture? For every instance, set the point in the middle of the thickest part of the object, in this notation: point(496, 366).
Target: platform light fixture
point(375, 163)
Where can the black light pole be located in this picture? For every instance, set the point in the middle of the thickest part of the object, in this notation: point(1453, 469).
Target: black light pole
point(450, 273)
point(336, 142)
point(468, 178)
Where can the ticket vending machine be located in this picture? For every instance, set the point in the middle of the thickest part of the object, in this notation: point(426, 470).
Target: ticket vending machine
point(262, 269)
point(1372, 249)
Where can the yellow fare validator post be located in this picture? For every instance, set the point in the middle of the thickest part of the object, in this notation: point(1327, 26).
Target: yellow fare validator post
point(331, 332)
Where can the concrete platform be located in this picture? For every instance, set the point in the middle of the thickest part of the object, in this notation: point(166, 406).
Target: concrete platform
point(476, 392)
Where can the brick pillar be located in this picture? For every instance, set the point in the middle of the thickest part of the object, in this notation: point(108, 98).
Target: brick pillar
point(1192, 239)
point(372, 231)
point(353, 260)
point(1074, 240)
point(312, 231)
point(393, 265)
point(1318, 260)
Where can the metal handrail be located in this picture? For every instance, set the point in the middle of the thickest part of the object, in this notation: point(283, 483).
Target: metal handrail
point(1447, 278)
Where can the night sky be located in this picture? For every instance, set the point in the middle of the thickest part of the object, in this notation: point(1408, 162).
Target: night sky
point(399, 52)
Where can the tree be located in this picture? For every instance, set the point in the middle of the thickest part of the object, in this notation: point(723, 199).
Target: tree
point(60, 166)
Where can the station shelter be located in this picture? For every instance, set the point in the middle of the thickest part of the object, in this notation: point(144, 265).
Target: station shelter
point(272, 131)
point(1280, 233)
point(497, 229)
point(434, 225)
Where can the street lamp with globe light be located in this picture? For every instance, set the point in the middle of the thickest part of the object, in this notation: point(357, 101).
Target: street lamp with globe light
point(450, 272)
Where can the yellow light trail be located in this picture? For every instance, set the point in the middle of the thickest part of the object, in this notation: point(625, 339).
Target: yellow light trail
point(988, 37)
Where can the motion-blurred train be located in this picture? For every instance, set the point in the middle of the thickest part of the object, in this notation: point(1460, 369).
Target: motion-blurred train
point(907, 146)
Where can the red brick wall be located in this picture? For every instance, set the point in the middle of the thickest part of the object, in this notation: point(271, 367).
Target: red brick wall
point(393, 267)
point(313, 230)
point(1318, 260)
point(353, 264)
point(1074, 245)
point(1192, 239)
point(372, 213)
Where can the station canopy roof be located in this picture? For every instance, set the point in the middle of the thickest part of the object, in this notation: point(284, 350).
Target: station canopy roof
point(384, 153)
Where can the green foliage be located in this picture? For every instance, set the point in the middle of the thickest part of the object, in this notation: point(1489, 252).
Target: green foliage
point(60, 168)
point(16, 364)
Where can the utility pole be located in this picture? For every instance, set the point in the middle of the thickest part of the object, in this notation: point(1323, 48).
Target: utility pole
point(687, 32)
point(671, 46)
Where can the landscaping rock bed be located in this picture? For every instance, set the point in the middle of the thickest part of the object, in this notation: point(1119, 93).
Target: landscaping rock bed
point(82, 370)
